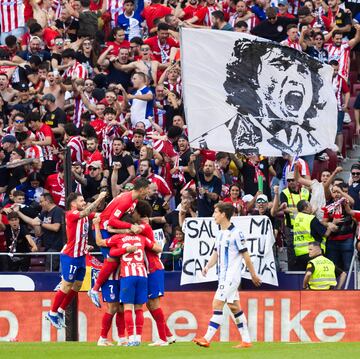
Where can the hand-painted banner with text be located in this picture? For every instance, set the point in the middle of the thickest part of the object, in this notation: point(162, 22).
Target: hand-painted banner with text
point(200, 234)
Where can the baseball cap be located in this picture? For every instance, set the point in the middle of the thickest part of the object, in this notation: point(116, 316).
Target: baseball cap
point(8, 139)
point(283, 2)
point(49, 97)
point(95, 164)
point(247, 198)
point(261, 198)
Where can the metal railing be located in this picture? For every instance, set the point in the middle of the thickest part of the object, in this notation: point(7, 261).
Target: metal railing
point(353, 271)
point(52, 254)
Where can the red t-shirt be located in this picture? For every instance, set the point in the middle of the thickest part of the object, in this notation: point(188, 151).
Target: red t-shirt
point(161, 54)
point(55, 185)
point(115, 51)
point(98, 124)
point(153, 11)
point(190, 12)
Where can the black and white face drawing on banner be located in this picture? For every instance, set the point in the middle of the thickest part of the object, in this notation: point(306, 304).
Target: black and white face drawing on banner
point(276, 91)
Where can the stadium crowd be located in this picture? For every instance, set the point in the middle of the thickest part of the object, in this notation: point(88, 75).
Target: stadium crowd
point(104, 79)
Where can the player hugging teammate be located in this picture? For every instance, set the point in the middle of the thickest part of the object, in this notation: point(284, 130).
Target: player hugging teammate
point(127, 242)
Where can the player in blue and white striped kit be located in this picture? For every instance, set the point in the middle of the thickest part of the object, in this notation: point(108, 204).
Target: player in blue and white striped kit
point(230, 249)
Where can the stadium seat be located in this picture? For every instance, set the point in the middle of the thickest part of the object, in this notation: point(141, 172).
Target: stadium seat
point(332, 160)
point(355, 89)
point(37, 264)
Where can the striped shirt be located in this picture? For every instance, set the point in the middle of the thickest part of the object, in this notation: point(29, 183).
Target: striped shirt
point(41, 134)
point(293, 44)
point(115, 7)
point(76, 149)
point(229, 245)
point(78, 70)
point(132, 264)
point(12, 15)
point(342, 55)
point(77, 231)
point(34, 151)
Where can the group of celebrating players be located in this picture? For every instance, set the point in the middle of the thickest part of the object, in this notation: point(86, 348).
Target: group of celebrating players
point(132, 272)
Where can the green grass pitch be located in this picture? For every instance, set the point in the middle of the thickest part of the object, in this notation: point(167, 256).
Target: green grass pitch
point(72, 350)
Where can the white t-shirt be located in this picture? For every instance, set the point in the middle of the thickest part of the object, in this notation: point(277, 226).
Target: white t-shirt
point(230, 244)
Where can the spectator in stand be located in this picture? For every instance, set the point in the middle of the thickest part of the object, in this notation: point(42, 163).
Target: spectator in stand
point(339, 49)
point(92, 153)
point(317, 49)
point(18, 240)
point(153, 11)
point(130, 20)
point(354, 186)
point(251, 168)
point(235, 199)
point(93, 182)
point(145, 170)
point(292, 38)
point(44, 138)
point(342, 93)
point(120, 165)
point(339, 17)
point(202, 18)
point(161, 44)
point(49, 228)
point(243, 14)
point(340, 244)
point(308, 19)
point(274, 28)
point(218, 21)
point(283, 7)
point(264, 209)
point(209, 189)
point(157, 203)
point(141, 100)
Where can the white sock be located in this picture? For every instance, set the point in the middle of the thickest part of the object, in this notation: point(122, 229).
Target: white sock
point(138, 338)
point(214, 324)
point(61, 311)
point(241, 324)
point(131, 338)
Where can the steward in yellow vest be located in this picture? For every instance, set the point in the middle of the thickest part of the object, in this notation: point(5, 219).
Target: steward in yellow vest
point(292, 196)
point(321, 272)
point(307, 229)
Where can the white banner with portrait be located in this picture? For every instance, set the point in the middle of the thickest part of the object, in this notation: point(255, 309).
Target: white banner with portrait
point(246, 94)
point(200, 234)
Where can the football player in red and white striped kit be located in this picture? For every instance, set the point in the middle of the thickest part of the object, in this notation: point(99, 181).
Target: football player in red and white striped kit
point(73, 254)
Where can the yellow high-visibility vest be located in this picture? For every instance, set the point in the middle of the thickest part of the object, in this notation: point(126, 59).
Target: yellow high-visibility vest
point(323, 277)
